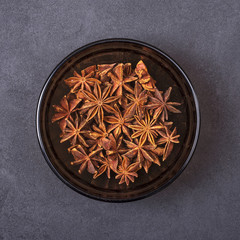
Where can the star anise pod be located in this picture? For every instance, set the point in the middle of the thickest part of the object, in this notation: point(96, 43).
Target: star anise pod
point(127, 70)
point(98, 101)
point(106, 166)
point(115, 151)
point(82, 82)
point(163, 124)
point(100, 135)
point(120, 82)
point(64, 110)
point(85, 160)
point(144, 77)
point(169, 138)
point(127, 171)
point(137, 101)
point(118, 123)
point(73, 132)
point(103, 70)
point(146, 129)
point(161, 105)
point(145, 154)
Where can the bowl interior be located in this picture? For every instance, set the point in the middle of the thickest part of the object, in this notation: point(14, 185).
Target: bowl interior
point(166, 73)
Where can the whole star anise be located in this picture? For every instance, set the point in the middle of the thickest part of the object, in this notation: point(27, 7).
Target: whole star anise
point(161, 105)
point(73, 132)
point(146, 129)
point(106, 166)
point(103, 70)
point(137, 102)
point(144, 77)
point(118, 123)
point(145, 154)
point(85, 160)
point(126, 171)
point(64, 110)
point(98, 101)
point(100, 135)
point(168, 138)
point(120, 82)
point(115, 151)
point(82, 82)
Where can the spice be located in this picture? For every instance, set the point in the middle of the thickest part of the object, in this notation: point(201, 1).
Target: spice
point(116, 121)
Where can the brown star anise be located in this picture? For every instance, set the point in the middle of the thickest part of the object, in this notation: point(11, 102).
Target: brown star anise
point(106, 166)
point(127, 171)
point(120, 81)
point(137, 102)
point(118, 123)
point(161, 105)
point(85, 160)
point(145, 154)
point(100, 135)
point(103, 70)
point(73, 132)
point(98, 101)
point(144, 77)
point(64, 111)
point(146, 129)
point(169, 138)
point(82, 82)
point(127, 70)
point(115, 151)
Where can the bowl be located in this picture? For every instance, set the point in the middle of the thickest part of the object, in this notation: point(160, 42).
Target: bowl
point(166, 72)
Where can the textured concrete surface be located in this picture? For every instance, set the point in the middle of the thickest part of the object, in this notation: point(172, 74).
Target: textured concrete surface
point(203, 37)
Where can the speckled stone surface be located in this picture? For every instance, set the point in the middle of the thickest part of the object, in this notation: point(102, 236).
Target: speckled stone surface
point(203, 37)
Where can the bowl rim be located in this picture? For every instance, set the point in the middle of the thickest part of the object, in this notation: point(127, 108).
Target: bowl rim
point(47, 82)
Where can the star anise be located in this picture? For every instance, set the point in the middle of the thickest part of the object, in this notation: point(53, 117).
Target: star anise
point(105, 167)
point(103, 70)
point(144, 77)
point(86, 160)
point(127, 171)
point(127, 70)
point(145, 154)
point(169, 138)
point(146, 129)
point(120, 81)
point(161, 105)
point(64, 110)
point(115, 151)
point(137, 102)
point(98, 101)
point(100, 135)
point(118, 123)
point(82, 82)
point(73, 132)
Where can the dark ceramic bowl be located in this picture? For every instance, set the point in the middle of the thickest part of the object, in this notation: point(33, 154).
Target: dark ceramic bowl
point(166, 72)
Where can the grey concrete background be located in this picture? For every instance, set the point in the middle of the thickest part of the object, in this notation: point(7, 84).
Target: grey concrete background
point(203, 37)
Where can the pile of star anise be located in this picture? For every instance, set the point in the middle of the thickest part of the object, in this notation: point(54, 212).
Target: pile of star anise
point(116, 120)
